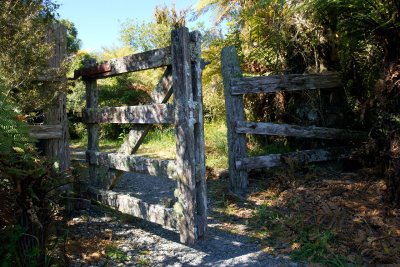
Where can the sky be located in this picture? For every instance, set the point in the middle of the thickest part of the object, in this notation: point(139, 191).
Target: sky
point(99, 21)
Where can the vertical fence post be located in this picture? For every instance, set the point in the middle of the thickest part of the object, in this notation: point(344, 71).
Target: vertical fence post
point(201, 187)
point(92, 129)
point(185, 208)
point(234, 112)
point(58, 149)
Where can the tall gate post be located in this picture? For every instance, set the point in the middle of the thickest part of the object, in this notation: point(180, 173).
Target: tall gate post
point(92, 128)
point(188, 134)
point(201, 187)
point(237, 148)
point(58, 148)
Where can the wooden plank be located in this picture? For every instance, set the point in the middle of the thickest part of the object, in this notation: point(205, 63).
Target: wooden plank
point(132, 163)
point(136, 62)
point(160, 94)
point(146, 114)
point(201, 187)
point(237, 147)
point(163, 91)
point(79, 156)
point(46, 131)
point(301, 157)
point(267, 128)
point(287, 82)
point(184, 134)
point(135, 207)
point(92, 128)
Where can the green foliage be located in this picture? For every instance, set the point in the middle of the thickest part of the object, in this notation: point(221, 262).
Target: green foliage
point(23, 54)
point(216, 145)
point(152, 35)
point(265, 216)
point(145, 36)
point(314, 247)
point(115, 253)
point(73, 42)
point(9, 237)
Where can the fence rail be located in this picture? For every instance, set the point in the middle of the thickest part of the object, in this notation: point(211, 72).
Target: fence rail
point(299, 157)
point(289, 82)
point(133, 163)
point(235, 86)
point(146, 114)
point(46, 131)
point(281, 129)
point(136, 62)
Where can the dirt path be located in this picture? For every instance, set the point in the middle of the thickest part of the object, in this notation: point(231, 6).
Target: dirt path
point(143, 244)
point(99, 237)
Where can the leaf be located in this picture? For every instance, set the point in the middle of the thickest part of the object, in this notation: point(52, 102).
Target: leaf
point(18, 150)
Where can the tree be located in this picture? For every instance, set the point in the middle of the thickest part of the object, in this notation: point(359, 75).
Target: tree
point(25, 178)
point(73, 42)
point(147, 36)
point(23, 54)
point(371, 30)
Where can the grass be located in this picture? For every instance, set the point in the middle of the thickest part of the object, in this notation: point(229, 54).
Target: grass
point(115, 253)
point(160, 143)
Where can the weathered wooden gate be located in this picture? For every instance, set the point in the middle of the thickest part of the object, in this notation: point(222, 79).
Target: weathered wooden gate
point(235, 86)
point(182, 77)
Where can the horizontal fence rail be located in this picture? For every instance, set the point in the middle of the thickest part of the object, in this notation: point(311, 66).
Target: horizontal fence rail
point(289, 82)
point(136, 207)
point(136, 62)
point(133, 163)
point(268, 128)
point(46, 131)
point(146, 114)
point(300, 157)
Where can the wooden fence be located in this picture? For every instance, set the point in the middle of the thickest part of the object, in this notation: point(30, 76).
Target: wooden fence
point(235, 86)
point(54, 130)
point(182, 77)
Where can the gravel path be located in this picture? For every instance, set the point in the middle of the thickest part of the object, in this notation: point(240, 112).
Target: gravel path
point(147, 244)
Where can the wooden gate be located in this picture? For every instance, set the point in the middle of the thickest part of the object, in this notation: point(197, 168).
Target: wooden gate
point(182, 77)
point(235, 86)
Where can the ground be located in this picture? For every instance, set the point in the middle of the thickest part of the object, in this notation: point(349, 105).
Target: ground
point(317, 214)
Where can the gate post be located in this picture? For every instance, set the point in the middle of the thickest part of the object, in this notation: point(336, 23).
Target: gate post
point(200, 176)
point(237, 148)
point(185, 208)
point(92, 128)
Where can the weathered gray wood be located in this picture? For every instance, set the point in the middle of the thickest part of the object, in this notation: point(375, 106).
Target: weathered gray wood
point(135, 207)
point(300, 157)
point(136, 62)
point(57, 149)
point(201, 187)
point(160, 94)
point(132, 163)
point(237, 147)
point(92, 128)
point(184, 132)
point(46, 131)
point(267, 128)
point(288, 82)
point(163, 91)
point(78, 156)
point(146, 114)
